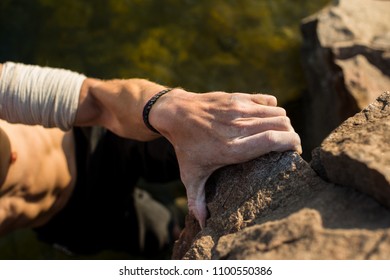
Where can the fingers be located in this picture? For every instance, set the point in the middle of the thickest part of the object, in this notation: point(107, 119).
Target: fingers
point(265, 142)
point(244, 149)
point(246, 105)
point(199, 210)
point(263, 111)
point(263, 120)
point(222, 129)
point(197, 198)
point(250, 126)
point(264, 99)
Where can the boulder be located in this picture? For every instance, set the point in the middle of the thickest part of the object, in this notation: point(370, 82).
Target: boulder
point(346, 58)
point(360, 146)
point(278, 207)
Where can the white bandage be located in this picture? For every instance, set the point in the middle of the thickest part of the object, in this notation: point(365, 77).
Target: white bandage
point(39, 95)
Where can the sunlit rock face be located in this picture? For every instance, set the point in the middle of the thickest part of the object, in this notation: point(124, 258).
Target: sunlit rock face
point(357, 153)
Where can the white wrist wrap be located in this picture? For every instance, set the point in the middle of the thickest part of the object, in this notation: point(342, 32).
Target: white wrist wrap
point(39, 95)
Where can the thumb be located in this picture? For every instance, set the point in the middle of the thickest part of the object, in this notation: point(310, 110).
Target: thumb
point(197, 197)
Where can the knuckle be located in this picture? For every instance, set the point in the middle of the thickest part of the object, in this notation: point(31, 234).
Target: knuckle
point(238, 126)
point(297, 139)
point(270, 138)
point(282, 111)
point(272, 100)
point(265, 99)
point(231, 146)
point(285, 122)
point(235, 103)
point(233, 150)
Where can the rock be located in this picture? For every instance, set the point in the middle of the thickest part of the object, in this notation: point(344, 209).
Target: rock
point(276, 207)
point(186, 237)
point(357, 153)
point(346, 57)
point(290, 238)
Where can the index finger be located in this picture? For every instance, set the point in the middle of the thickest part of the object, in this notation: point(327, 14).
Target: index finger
point(264, 99)
point(268, 141)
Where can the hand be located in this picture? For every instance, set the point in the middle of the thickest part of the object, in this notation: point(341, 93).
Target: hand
point(207, 130)
point(215, 129)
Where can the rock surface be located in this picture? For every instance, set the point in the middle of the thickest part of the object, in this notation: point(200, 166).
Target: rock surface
point(346, 57)
point(361, 145)
point(277, 207)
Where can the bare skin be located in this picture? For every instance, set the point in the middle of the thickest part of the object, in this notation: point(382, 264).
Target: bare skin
point(207, 130)
point(40, 177)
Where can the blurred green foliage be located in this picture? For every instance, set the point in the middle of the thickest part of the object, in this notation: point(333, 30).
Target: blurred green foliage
point(231, 45)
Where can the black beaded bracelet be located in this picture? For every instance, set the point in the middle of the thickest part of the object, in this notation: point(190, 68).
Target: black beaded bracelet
point(148, 107)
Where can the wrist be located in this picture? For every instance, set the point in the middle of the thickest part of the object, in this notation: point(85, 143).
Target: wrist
point(89, 110)
point(169, 111)
point(148, 106)
point(119, 104)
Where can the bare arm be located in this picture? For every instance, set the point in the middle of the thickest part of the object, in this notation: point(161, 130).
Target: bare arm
point(207, 130)
point(117, 105)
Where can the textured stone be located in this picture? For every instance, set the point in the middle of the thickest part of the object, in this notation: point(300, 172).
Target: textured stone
point(301, 236)
point(357, 153)
point(346, 57)
point(362, 80)
point(276, 206)
point(186, 237)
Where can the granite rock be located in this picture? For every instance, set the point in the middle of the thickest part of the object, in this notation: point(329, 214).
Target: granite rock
point(277, 207)
point(357, 153)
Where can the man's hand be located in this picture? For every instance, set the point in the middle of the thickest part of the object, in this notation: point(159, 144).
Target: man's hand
point(208, 130)
point(215, 129)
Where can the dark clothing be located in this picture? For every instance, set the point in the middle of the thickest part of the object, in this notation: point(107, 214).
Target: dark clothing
point(101, 213)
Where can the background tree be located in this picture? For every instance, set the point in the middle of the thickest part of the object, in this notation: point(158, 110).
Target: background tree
point(232, 45)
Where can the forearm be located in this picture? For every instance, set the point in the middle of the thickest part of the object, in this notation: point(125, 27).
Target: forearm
point(117, 105)
point(61, 98)
point(207, 131)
